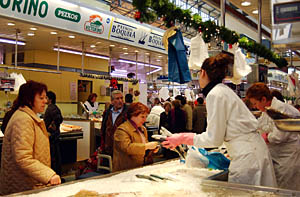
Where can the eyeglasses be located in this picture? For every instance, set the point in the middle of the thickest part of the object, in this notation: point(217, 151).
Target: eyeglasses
point(199, 71)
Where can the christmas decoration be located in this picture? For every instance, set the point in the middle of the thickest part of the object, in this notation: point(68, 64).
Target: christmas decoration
point(107, 77)
point(137, 15)
point(150, 10)
point(114, 83)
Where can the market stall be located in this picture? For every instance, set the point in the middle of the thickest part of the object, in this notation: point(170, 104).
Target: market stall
point(170, 178)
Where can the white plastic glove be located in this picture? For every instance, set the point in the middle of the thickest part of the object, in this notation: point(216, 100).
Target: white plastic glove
point(180, 138)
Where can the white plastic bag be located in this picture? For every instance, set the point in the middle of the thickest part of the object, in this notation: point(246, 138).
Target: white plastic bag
point(195, 159)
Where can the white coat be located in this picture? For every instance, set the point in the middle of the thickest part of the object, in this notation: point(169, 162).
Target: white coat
point(90, 108)
point(284, 147)
point(154, 116)
point(230, 121)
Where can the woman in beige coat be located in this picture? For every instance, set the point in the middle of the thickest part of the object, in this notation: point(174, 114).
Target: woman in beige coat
point(25, 163)
point(131, 146)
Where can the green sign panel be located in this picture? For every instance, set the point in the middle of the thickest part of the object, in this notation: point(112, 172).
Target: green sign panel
point(67, 15)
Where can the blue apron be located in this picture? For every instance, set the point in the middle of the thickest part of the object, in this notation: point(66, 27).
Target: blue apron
point(177, 61)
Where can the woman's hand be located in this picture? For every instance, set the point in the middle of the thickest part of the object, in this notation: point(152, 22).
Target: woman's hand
point(151, 145)
point(55, 180)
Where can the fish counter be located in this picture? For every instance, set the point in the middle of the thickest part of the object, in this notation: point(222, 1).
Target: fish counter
point(170, 178)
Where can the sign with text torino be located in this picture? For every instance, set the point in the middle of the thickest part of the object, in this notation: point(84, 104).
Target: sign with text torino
point(66, 16)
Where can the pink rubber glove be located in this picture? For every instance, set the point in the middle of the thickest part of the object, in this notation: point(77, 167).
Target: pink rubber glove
point(177, 139)
point(265, 136)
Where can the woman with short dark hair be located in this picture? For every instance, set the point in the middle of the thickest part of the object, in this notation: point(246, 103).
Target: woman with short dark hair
point(229, 121)
point(131, 146)
point(25, 162)
point(91, 105)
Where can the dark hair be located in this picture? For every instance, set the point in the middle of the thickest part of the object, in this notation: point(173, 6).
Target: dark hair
point(128, 98)
point(51, 95)
point(217, 67)
point(259, 90)
point(25, 97)
point(167, 103)
point(91, 96)
point(200, 100)
point(157, 101)
point(27, 94)
point(182, 99)
point(136, 109)
point(277, 94)
point(176, 103)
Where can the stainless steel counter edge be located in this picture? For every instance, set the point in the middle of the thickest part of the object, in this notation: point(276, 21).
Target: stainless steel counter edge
point(278, 191)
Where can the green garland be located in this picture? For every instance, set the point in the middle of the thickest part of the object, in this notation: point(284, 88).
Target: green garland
point(151, 10)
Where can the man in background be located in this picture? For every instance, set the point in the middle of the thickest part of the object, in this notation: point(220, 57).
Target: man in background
point(199, 116)
point(128, 99)
point(112, 118)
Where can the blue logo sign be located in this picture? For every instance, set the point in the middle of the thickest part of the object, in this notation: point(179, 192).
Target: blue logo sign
point(123, 31)
point(143, 38)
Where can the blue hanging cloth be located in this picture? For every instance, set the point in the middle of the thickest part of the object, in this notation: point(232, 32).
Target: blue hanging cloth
point(177, 62)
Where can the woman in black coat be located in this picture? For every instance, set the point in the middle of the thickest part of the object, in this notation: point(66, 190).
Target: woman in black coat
point(53, 119)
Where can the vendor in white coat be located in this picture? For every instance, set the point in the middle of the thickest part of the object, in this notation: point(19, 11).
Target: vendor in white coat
point(284, 146)
point(229, 121)
point(91, 105)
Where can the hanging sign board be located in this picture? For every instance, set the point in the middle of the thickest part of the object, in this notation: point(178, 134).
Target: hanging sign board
point(286, 12)
point(93, 22)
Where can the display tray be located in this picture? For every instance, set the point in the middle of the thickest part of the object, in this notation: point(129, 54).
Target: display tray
point(182, 181)
point(289, 125)
point(71, 135)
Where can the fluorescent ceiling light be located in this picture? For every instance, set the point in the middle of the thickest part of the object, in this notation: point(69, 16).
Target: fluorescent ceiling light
point(71, 36)
point(53, 32)
point(136, 51)
point(112, 45)
point(3, 40)
point(157, 68)
point(246, 3)
point(158, 60)
point(93, 46)
point(120, 70)
point(30, 34)
point(33, 28)
point(97, 56)
point(159, 56)
point(125, 53)
point(80, 53)
point(10, 24)
point(118, 75)
point(125, 48)
point(255, 11)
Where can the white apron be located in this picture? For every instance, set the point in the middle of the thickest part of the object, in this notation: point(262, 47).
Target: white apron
point(250, 161)
point(90, 108)
point(286, 161)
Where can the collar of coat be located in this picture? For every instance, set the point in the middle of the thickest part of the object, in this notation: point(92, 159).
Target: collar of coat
point(31, 113)
point(132, 128)
point(209, 87)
